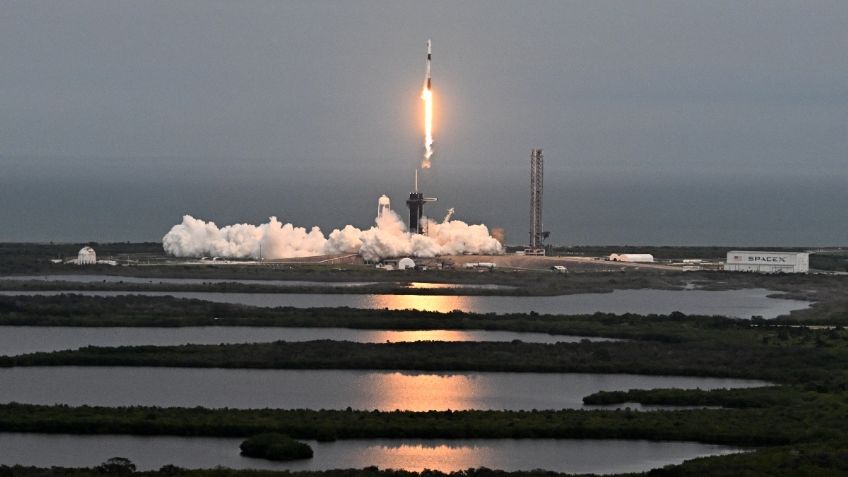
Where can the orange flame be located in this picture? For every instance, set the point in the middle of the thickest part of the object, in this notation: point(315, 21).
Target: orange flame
point(427, 96)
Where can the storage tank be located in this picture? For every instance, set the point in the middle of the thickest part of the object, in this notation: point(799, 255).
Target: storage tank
point(767, 262)
point(405, 263)
point(86, 256)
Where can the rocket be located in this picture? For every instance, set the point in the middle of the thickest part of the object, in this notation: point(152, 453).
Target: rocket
point(427, 97)
point(429, 57)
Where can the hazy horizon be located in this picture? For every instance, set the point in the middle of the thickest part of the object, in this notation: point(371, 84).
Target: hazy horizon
point(582, 207)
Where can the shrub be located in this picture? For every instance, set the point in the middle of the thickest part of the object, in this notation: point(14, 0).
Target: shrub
point(274, 446)
point(116, 466)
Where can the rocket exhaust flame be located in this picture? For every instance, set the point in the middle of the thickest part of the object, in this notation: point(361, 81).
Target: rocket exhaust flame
point(427, 96)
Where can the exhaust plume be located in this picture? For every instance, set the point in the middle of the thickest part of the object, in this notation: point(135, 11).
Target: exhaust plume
point(427, 96)
point(388, 238)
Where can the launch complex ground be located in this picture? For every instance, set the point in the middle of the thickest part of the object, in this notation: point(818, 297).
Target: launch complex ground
point(506, 262)
point(149, 256)
point(587, 272)
point(509, 262)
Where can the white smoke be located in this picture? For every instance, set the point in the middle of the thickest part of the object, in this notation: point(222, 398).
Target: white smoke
point(388, 238)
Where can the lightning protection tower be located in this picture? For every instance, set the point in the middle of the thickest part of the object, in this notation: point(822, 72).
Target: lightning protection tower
point(536, 182)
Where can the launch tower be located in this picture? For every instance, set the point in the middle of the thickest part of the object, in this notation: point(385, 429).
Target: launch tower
point(536, 182)
point(416, 209)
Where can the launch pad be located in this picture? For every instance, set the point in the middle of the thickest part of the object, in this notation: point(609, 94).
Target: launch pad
point(415, 202)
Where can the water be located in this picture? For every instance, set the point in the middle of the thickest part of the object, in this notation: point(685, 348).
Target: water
point(560, 455)
point(16, 340)
point(324, 389)
point(735, 303)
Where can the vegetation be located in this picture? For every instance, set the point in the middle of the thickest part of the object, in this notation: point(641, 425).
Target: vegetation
point(116, 466)
point(275, 446)
point(135, 310)
point(836, 261)
point(810, 417)
point(728, 398)
point(784, 354)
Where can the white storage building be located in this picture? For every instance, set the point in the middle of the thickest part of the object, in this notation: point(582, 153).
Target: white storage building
point(767, 262)
point(632, 257)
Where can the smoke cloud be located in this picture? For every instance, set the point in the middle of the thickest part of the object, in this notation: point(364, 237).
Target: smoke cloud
point(388, 238)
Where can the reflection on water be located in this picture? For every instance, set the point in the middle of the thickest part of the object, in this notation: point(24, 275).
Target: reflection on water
point(16, 340)
point(738, 303)
point(427, 391)
point(382, 336)
point(324, 389)
point(442, 286)
point(431, 335)
point(440, 303)
point(559, 455)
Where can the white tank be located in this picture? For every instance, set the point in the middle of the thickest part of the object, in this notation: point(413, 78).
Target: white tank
point(86, 256)
point(405, 263)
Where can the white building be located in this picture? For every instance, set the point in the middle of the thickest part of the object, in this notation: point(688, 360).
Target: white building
point(86, 256)
point(632, 257)
point(481, 265)
point(767, 262)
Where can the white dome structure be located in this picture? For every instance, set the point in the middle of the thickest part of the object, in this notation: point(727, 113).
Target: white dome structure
point(405, 263)
point(86, 256)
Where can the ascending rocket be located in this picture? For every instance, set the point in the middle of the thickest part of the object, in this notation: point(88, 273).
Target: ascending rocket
point(429, 57)
point(427, 96)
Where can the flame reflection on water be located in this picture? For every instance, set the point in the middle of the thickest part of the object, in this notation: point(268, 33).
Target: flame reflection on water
point(421, 335)
point(439, 303)
point(417, 457)
point(424, 392)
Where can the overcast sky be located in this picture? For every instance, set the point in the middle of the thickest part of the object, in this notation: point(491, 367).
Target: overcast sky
point(684, 85)
point(112, 88)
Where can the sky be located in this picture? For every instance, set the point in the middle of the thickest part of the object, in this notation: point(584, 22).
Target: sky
point(117, 117)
